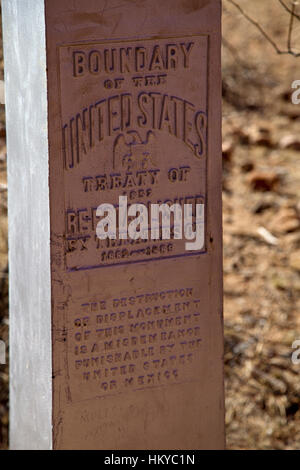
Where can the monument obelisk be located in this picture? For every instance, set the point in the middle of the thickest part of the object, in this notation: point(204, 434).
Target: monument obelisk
point(114, 344)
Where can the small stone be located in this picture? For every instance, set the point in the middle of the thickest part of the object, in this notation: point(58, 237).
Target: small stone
point(291, 142)
point(261, 136)
point(255, 135)
point(227, 151)
point(260, 181)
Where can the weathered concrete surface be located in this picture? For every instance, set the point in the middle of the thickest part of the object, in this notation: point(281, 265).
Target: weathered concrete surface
point(29, 225)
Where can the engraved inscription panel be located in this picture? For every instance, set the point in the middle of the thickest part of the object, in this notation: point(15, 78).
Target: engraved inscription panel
point(131, 343)
point(126, 130)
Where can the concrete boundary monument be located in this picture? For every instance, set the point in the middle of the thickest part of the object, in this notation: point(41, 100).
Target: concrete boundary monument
point(114, 343)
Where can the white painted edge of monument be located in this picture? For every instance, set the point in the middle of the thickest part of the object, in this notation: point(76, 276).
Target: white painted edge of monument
point(29, 224)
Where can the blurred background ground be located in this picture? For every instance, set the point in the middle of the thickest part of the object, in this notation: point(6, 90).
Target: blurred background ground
point(261, 188)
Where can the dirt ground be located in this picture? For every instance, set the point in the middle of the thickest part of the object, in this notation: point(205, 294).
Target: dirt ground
point(261, 188)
